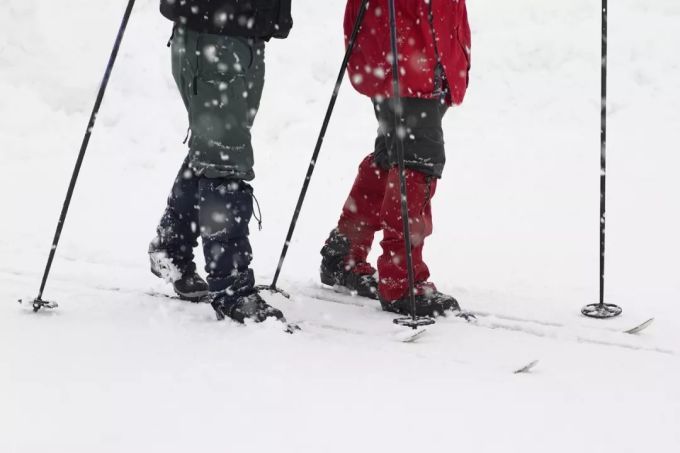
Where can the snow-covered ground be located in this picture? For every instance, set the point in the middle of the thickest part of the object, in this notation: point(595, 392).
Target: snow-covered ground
point(117, 370)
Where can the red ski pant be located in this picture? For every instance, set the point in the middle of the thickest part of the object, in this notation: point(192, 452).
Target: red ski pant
point(374, 204)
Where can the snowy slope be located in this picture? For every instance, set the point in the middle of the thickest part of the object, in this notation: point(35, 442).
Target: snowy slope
point(116, 370)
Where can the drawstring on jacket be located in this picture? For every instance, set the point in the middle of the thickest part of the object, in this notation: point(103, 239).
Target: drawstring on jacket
point(428, 192)
point(172, 35)
point(258, 217)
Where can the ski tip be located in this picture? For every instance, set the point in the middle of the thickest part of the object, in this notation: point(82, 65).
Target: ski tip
point(292, 328)
point(526, 368)
point(412, 337)
point(639, 328)
point(466, 315)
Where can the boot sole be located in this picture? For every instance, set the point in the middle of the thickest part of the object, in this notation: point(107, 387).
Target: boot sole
point(342, 289)
point(200, 296)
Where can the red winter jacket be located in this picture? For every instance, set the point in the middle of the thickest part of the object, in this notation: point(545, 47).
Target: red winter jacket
point(369, 67)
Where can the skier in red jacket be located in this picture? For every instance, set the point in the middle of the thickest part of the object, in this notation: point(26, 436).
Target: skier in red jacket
point(434, 56)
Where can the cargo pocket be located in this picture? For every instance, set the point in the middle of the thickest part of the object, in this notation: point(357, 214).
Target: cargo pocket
point(222, 59)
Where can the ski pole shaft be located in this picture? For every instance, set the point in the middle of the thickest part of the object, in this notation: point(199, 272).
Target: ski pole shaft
point(83, 146)
point(319, 142)
point(399, 138)
point(603, 149)
point(602, 310)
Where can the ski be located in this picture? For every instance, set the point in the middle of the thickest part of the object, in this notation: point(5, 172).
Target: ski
point(202, 300)
point(408, 337)
point(631, 330)
point(545, 329)
point(639, 328)
point(526, 368)
point(338, 296)
point(412, 337)
point(290, 327)
point(333, 295)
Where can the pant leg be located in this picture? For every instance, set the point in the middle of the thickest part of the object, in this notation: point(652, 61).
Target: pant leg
point(392, 269)
point(424, 159)
point(360, 218)
point(225, 209)
point(177, 231)
point(221, 81)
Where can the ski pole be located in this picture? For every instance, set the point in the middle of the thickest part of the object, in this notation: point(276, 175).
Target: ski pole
point(319, 142)
point(413, 322)
point(602, 310)
point(38, 302)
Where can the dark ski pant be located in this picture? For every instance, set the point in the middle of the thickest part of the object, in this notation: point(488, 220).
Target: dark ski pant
point(220, 79)
point(219, 211)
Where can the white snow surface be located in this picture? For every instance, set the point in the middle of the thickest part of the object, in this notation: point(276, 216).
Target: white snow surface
point(516, 234)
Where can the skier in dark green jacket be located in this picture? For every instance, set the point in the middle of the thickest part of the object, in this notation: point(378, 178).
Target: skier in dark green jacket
point(217, 49)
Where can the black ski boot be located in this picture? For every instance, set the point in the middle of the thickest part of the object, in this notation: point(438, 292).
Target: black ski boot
point(188, 285)
point(334, 272)
point(191, 287)
point(431, 303)
point(242, 307)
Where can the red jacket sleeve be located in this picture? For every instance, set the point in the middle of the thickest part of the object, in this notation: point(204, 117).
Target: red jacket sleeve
point(464, 34)
point(351, 13)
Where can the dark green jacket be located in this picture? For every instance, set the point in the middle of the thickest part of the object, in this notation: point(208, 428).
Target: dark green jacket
point(263, 19)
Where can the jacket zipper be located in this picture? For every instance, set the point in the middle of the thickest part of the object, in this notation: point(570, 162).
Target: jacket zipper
point(439, 76)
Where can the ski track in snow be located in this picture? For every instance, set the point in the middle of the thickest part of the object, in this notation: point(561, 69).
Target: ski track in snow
point(114, 369)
